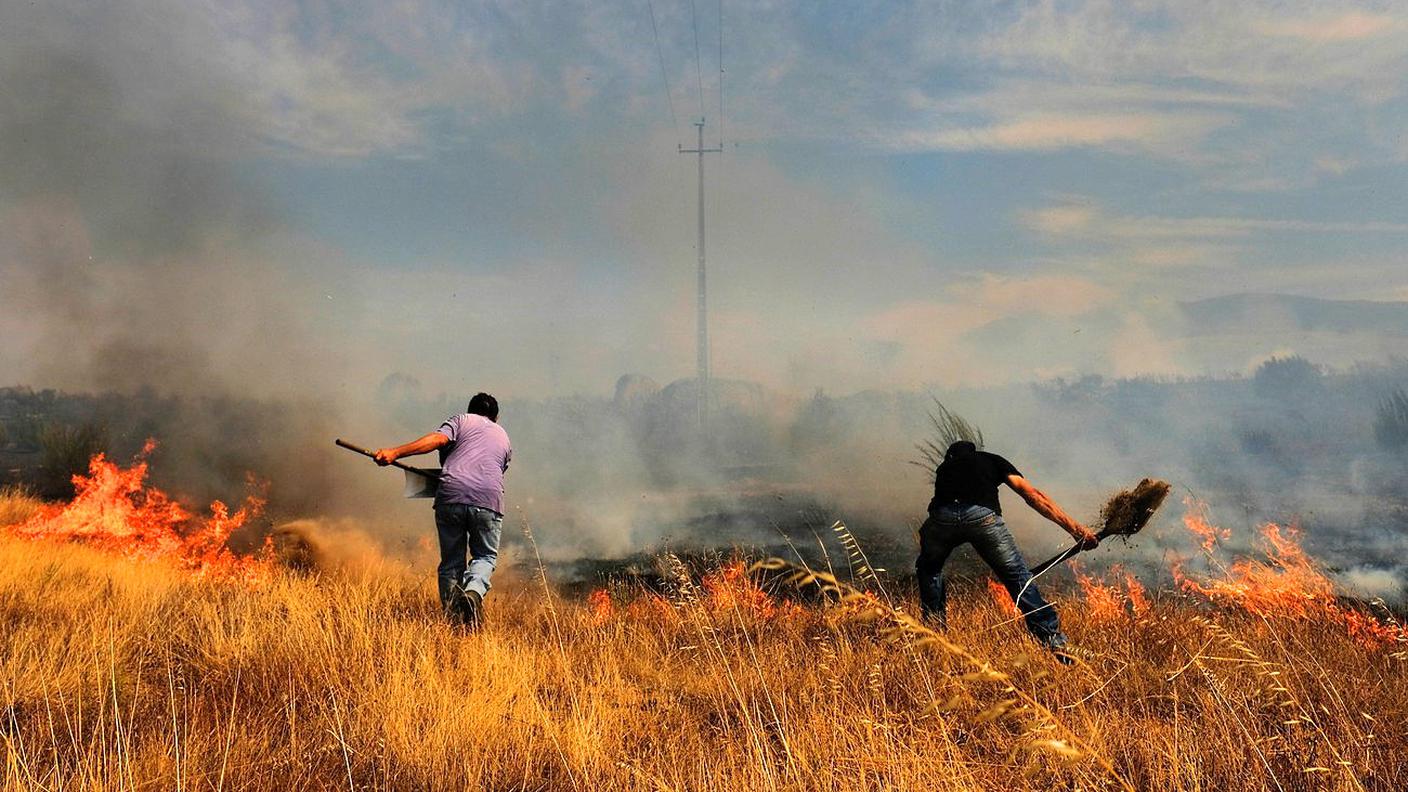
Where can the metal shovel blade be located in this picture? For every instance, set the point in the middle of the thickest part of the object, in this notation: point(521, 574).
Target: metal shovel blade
point(421, 484)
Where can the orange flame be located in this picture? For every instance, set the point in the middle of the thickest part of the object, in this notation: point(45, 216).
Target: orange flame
point(1287, 583)
point(1195, 519)
point(1102, 602)
point(113, 509)
point(1002, 598)
point(1138, 600)
point(730, 589)
point(1105, 601)
point(727, 592)
point(652, 606)
point(599, 602)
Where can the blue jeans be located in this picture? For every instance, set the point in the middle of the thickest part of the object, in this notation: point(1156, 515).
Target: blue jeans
point(464, 528)
point(953, 525)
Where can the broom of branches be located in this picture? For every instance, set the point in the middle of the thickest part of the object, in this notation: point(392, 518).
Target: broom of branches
point(1124, 514)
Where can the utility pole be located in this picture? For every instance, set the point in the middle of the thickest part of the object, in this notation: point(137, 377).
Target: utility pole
point(702, 340)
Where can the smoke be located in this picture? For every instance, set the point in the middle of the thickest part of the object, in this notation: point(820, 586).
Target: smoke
point(134, 256)
point(138, 264)
point(344, 547)
point(144, 259)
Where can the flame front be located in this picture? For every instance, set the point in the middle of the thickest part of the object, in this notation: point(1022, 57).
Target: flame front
point(113, 509)
point(1285, 583)
point(728, 592)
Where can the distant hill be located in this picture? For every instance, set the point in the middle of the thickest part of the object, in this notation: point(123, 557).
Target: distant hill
point(1261, 313)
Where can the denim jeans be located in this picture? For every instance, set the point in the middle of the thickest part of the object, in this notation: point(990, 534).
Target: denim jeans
point(953, 525)
point(466, 529)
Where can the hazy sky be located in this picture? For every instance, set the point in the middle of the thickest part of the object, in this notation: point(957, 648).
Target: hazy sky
point(489, 195)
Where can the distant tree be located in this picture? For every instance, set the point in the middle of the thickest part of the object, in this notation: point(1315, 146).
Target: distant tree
point(947, 428)
point(818, 424)
point(4, 436)
point(1088, 388)
point(64, 451)
point(1391, 423)
point(1287, 376)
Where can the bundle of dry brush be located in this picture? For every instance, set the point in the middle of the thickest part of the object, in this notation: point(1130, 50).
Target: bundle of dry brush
point(1128, 511)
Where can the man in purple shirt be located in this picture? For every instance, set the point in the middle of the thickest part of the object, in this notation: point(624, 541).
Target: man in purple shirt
point(469, 504)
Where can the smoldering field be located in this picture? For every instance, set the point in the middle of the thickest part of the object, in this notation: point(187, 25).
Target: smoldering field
point(612, 480)
point(158, 279)
point(163, 291)
point(121, 672)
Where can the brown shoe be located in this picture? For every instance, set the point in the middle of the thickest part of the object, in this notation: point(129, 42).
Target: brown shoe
point(472, 610)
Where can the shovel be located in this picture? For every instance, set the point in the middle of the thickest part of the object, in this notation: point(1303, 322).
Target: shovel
point(420, 482)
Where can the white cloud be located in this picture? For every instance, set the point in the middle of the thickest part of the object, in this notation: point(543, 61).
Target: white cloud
point(1351, 26)
point(1160, 132)
point(1083, 219)
point(1150, 75)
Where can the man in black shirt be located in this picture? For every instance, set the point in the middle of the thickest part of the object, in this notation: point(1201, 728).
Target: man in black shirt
point(965, 510)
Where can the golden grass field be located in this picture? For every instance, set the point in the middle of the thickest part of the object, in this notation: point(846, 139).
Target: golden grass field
point(126, 674)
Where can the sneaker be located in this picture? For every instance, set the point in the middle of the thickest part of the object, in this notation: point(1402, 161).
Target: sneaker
point(1067, 655)
point(1060, 649)
point(472, 610)
point(454, 607)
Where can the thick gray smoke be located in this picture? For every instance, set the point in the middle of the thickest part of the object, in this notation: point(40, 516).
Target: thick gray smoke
point(132, 255)
point(1294, 444)
point(136, 264)
point(142, 265)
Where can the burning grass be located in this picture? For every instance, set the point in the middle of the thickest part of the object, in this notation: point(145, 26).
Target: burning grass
point(120, 672)
point(114, 508)
point(124, 666)
point(1284, 583)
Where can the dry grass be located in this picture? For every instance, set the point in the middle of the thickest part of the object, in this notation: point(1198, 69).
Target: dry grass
point(17, 505)
point(119, 674)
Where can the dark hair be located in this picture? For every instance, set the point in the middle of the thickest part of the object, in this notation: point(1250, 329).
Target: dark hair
point(961, 448)
point(485, 405)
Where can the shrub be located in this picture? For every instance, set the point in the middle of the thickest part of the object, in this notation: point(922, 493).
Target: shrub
point(64, 451)
point(1286, 376)
point(17, 505)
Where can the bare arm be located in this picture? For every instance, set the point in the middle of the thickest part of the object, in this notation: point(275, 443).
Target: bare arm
point(1043, 505)
point(424, 445)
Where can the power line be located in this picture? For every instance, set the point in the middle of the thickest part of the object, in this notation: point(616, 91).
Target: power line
point(721, 73)
point(664, 77)
point(698, 69)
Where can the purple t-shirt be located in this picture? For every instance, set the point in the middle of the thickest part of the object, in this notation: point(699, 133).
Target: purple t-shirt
point(472, 465)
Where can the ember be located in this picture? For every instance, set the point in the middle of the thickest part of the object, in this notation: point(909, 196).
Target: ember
point(114, 509)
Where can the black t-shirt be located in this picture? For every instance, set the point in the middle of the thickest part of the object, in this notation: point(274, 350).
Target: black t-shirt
point(971, 480)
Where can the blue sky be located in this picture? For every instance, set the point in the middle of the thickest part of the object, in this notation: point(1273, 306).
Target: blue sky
point(491, 191)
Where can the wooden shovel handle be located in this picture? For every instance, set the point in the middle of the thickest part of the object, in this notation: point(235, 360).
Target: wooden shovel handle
point(364, 452)
point(1064, 554)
